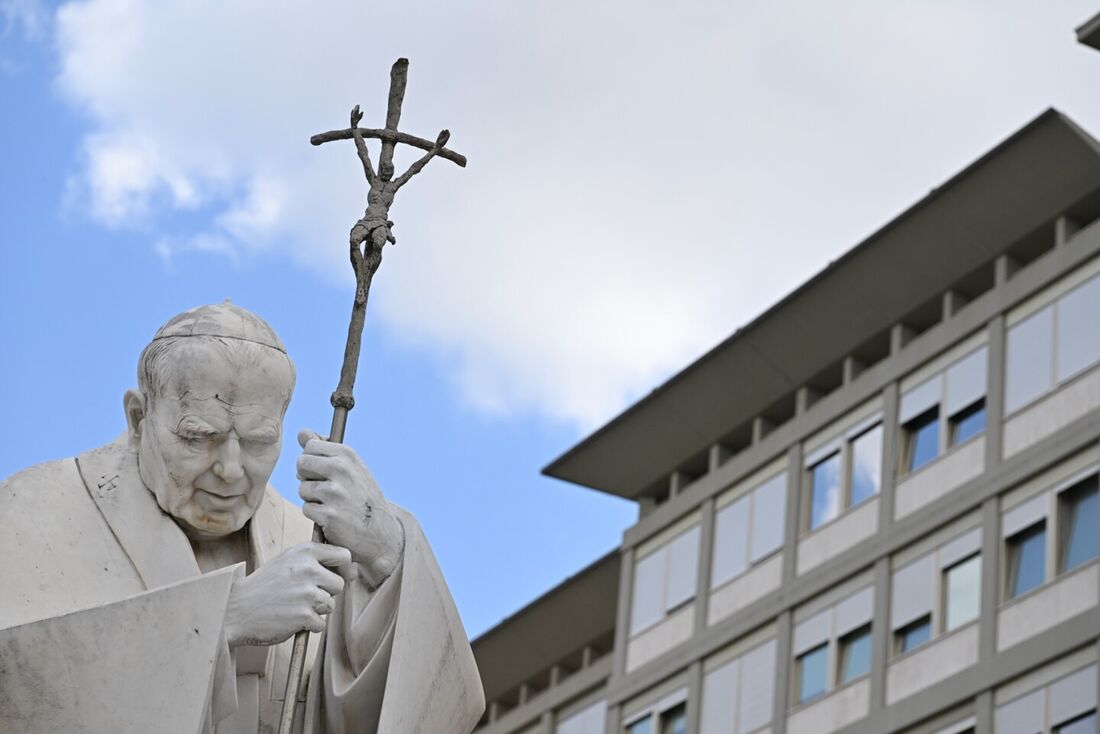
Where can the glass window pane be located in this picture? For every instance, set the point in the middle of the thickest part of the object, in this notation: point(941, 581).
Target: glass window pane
point(914, 635)
point(674, 721)
point(769, 502)
point(1027, 554)
point(757, 688)
point(968, 423)
point(731, 541)
point(825, 491)
point(1028, 368)
point(1083, 725)
point(924, 439)
point(647, 604)
point(866, 465)
point(855, 654)
point(641, 726)
point(683, 567)
point(812, 673)
point(964, 592)
point(1082, 541)
point(1078, 339)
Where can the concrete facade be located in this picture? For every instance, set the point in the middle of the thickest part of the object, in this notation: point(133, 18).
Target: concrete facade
point(939, 584)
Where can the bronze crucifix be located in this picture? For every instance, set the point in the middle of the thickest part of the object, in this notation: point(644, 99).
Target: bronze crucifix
point(367, 237)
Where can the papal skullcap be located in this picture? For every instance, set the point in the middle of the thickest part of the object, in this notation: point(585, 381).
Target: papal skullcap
point(223, 320)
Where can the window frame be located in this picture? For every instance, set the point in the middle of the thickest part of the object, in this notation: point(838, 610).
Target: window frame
point(901, 633)
point(843, 449)
point(667, 609)
point(947, 421)
point(1068, 503)
point(844, 646)
point(945, 592)
point(1013, 549)
point(1055, 382)
point(799, 668)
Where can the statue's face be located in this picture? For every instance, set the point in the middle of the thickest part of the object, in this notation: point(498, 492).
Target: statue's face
point(210, 442)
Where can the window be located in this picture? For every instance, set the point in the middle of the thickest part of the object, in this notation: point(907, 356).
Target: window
point(664, 580)
point(945, 410)
point(1080, 524)
point(813, 673)
point(1027, 559)
point(866, 465)
point(1052, 345)
point(855, 654)
point(641, 726)
point(738, 696)
point(825, 491)
point(1082, 725)
point(962, 592)
point(674, 721)
point(922, 439)
point(845, 473)
point(913, 635)
point(749, 529)
point(968, 423)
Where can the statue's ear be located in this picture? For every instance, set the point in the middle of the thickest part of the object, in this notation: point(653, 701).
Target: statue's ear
point(133, 402)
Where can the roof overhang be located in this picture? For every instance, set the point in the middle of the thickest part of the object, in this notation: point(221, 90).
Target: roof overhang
point(1025, 182)
point(560, 622)
point(1088, 32)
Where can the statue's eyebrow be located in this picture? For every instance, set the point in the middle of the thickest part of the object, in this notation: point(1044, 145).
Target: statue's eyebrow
point(192, 427)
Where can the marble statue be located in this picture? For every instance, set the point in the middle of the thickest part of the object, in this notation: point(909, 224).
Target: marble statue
point(96, 549)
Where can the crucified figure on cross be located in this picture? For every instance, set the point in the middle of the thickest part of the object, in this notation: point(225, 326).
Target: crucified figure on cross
point(375, 223)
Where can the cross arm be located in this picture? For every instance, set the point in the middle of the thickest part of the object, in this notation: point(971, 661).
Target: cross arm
point(389, 135)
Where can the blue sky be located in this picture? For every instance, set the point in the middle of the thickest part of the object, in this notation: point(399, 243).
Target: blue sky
point(155, 157)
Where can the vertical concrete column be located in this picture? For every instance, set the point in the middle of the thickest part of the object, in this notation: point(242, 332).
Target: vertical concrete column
point(891, 440)
point(695, 697)
point(851, 369)
point(614, 719)
point(1064, 229)
point(995, 393)
point(622, 614)
point(546, 723)
point(717, 455)
point(784, 665)
point(706, 555)
point(880, 634)
point(900, 335)
point(952, 304)
point(761, 427)
point(991, 581)
point(794, 511)
point(1004, 267)
point(804, 397)
point(983, 713)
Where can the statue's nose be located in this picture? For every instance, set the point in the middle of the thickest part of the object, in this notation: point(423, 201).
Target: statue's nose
point(228, 466)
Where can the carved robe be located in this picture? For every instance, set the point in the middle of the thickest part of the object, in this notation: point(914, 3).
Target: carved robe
point(83, 532)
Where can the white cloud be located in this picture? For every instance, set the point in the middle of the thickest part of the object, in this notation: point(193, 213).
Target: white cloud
point(644, 177)
point(28, 17)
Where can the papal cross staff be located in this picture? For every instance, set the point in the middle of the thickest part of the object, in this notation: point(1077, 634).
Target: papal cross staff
point(367, 238)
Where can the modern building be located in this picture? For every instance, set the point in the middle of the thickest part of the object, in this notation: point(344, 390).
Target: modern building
point(873, 509)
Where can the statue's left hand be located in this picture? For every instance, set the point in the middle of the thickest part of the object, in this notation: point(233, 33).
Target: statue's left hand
point(341, 496)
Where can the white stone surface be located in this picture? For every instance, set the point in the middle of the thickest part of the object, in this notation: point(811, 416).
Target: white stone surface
point(109, 669)
point(745, 589)
point(838, 709)
point(1034, 423)
point(660, 638)
point(1049, 606)
point(932, 663)
point(939, 478)
point(832, 539)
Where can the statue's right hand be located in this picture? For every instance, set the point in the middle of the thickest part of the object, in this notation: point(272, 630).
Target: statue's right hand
point(289, 593)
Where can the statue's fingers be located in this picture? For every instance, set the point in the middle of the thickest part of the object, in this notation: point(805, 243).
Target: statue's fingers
point(317, 468)
point(305, 436)
point(313, 490)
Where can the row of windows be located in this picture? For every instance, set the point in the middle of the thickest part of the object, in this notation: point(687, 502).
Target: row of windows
point(944, 410)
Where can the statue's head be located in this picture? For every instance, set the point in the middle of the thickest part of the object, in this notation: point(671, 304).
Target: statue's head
point(207, 418)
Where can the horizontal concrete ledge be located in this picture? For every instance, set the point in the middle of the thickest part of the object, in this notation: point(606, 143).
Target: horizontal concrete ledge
point(888, 540)
point(550, 699)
